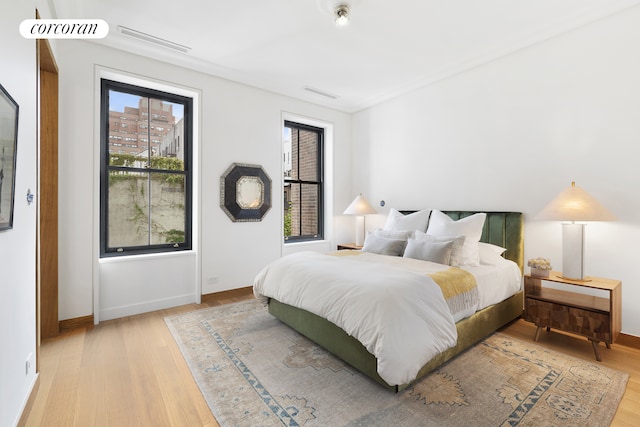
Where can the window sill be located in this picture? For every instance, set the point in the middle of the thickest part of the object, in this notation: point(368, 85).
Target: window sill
point(142, 257)
point(311, 245)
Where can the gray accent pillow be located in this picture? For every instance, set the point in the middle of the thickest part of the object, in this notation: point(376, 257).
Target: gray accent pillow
point(383, 245)
point(439, 252)
point(456, 250)
point(396, 235)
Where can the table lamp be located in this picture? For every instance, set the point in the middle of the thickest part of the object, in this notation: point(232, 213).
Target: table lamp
point(574, 204)
point(359, 207)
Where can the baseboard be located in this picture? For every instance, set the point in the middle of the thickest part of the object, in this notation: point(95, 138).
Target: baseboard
point(88, 321)
point(75, 323)
point(26, 410)
point(145, 307)
point(629, 341)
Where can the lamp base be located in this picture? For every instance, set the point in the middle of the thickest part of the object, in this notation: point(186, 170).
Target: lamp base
point(573, 251)
point(360, 230)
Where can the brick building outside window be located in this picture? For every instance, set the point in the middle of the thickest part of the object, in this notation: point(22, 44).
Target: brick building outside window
point(303, 182)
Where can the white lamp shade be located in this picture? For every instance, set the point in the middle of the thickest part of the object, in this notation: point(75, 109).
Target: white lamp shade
point(359, 206)
point(575, 204)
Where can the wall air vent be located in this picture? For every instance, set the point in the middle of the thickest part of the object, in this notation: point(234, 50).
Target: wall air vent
point(153, 39)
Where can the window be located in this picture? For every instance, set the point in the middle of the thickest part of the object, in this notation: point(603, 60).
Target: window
point(303, 182)
point(145, 188)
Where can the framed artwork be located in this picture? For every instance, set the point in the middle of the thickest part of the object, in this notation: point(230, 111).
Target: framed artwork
point(8, 146)
point(245, 192)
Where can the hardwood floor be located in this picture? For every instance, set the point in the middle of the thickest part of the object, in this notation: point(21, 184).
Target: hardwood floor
point(130, 372)
point(123, 372)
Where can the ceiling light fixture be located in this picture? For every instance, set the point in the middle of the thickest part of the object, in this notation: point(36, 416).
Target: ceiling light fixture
point(153, 39)
point(342, 15)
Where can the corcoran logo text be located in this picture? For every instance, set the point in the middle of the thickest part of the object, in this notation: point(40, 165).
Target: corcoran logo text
point(64, 28)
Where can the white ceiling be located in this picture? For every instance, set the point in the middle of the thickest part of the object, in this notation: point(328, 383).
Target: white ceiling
point(389, 48)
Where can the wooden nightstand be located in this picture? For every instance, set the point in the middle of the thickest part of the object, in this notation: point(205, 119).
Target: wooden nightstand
point(353, 246)
point(597, 318)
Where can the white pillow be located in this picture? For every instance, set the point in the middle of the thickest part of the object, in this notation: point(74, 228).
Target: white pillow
point(393, 234)
point(490, 254)
point(414, 221)
point(456, 249)
point(439, 252)
point(440, 224)
point(383, 245)
point(489, 248)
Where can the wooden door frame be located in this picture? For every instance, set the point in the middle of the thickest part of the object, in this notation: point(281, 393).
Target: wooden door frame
point(47, 232)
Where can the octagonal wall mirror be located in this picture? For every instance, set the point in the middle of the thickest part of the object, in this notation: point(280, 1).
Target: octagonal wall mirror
point(245, 192)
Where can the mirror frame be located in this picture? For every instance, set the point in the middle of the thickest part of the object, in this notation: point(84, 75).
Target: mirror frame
point(229, 192)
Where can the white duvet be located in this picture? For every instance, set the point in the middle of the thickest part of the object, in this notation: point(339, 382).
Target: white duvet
point(497, 278)
point(400, 316)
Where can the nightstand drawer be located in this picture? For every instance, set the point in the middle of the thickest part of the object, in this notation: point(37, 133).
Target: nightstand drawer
point(583, 322)
point(538, 312)
point(588, 323)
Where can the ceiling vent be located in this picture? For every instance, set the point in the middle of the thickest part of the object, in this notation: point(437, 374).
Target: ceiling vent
point(321, 92)
point(153, 39)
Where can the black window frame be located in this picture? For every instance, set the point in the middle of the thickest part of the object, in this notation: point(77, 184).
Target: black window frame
point(105, 86)
point(320, 182)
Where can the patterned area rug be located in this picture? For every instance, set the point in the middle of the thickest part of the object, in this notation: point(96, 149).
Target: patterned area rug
point(255, 371)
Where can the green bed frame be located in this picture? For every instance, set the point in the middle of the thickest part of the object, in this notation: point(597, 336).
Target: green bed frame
point(501, 228)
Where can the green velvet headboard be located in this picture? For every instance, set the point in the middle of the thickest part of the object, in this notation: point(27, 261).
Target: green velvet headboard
point(504, 229)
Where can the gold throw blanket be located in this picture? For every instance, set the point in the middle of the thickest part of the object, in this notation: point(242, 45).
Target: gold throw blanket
point(459, 288)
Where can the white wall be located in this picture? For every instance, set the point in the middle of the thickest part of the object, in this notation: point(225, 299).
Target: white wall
point(17, 246)
point(139, 284)
point(238, 124)
point(512, 134)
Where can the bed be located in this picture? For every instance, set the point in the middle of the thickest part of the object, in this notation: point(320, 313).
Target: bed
point(504, 229)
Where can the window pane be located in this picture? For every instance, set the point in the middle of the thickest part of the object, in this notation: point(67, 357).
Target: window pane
point(128, 128)
point(286, 152)
point(168, 200)
point(303, 211)
point(294, 210)
point(310, 210)
point(308, 155)
point(128, 209)
point(133, 131)
point(294, 154)
point(166, 134)
point(287, 211)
